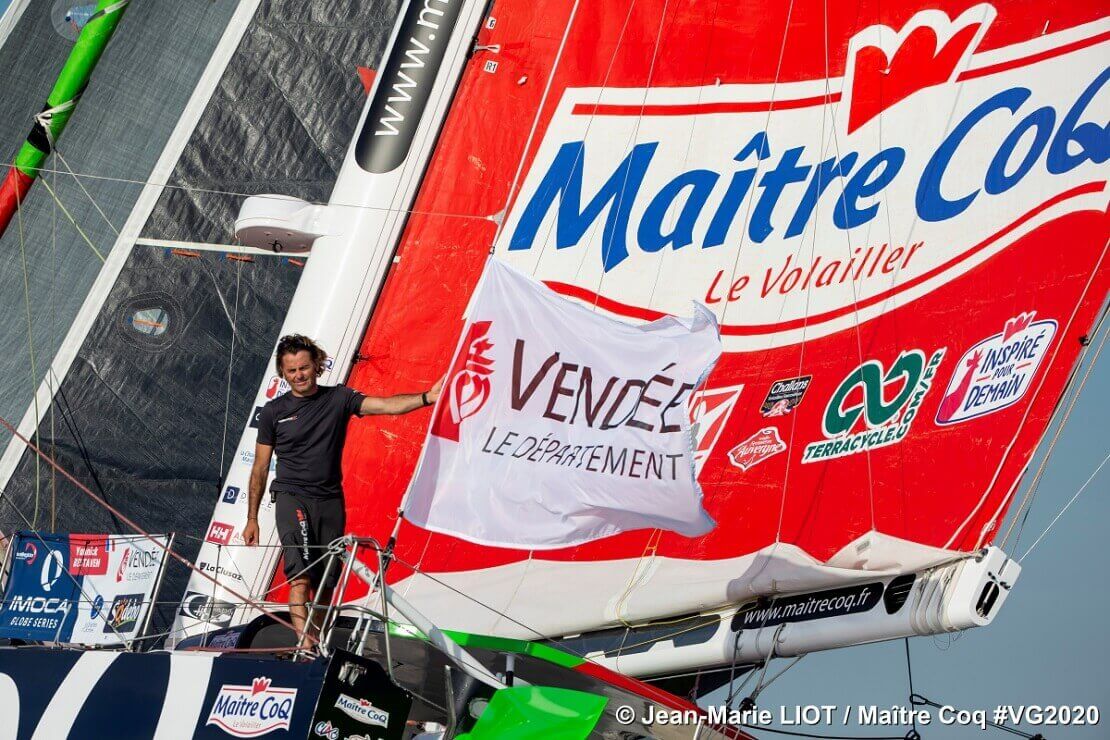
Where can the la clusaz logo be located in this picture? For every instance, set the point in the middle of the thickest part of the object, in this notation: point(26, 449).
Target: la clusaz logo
point(250, 711)
point(467, 387)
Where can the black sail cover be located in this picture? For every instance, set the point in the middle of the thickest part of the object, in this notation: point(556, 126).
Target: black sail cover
point(150, 410)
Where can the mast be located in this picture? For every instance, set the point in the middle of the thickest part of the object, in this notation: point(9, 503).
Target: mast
point(60, 104)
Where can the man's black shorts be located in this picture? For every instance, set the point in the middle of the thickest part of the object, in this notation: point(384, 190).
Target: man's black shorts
point(306, 525)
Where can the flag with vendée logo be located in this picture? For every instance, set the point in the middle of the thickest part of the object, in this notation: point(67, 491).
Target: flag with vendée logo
point(558, 425)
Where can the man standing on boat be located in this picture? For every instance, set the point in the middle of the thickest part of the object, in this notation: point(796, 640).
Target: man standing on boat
point(307, 427)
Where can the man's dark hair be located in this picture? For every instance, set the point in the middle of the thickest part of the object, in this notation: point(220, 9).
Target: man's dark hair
point(291, 344)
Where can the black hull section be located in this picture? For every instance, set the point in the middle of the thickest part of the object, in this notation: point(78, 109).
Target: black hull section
point(81, 694)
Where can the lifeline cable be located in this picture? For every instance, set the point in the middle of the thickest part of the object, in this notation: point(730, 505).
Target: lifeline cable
point(169, 551)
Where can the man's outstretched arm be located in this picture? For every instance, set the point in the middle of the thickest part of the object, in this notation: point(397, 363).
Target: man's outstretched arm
point(401, 403)
point(260, 471)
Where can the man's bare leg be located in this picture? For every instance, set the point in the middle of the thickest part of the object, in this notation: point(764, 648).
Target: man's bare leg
point(300, 591)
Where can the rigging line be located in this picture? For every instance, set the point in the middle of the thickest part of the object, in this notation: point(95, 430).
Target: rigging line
point(1028, 409)
point(585, 136)
point(652, 544)
point(909, 672)
point(414, 179)
point(169, 550)
point(636, 129)
point(901, 453)
point(535, 125)
point(429, 576)
point(1066, 506)
point(764, 684)
point(30, 344)
point(759, 160)
point(505, 616)
point(242, 194)
point(52, 379)
point(58, 154)
point(848, 252)
point(809, 289)
point(690, 139)
point(230, 367)
point(749, 198)
point(82, 448)
point(1031, 492)
point(385, 252)
point(46, 184)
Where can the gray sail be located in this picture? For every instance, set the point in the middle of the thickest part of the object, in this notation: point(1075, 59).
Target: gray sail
point(141, 408)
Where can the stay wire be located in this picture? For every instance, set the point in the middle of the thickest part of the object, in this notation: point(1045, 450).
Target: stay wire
point(30, 343)
point(909, 673)
point(72, 220)
point(242, 194)
point(1028, 498)
point(1066, 507)
point(76, 179)
point(230, 368)
point(169, 550)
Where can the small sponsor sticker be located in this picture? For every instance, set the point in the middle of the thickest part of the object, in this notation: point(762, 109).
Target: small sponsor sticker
point(755, 449)
point(123, 614)
point(362, 710)
point(785, 395)
point(220, 533)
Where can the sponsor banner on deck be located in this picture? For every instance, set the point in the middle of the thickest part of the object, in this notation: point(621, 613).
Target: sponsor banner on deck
point(87, 589)
point(558, 425)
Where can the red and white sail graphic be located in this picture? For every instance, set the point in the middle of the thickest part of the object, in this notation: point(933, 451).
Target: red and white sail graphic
point(866, 199)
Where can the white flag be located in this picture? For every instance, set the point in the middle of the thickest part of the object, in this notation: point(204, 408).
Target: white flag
point(559, 426)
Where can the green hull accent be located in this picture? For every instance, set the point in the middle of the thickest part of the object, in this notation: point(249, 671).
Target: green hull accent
point(71, 82)
point(506, 645)
point(538, 713)
point(501, 644)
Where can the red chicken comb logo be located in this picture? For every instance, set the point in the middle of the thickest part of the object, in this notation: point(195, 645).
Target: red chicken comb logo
point(1017, 324)
point(259, 685)
point(886, 67)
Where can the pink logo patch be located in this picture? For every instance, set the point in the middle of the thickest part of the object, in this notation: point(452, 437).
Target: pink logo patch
point(220, 533)
point(755, 449)
point(468, 384)
point(88, 554)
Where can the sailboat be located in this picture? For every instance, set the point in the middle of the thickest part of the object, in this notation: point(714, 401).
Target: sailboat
point(859, 200)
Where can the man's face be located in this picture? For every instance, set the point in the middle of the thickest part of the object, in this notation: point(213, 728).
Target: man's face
point(299, 372)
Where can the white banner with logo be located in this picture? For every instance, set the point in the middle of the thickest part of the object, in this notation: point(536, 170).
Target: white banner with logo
point(82, 588)
point(559, 426)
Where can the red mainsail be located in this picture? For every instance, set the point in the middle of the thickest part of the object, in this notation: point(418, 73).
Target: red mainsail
point(897, 212)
